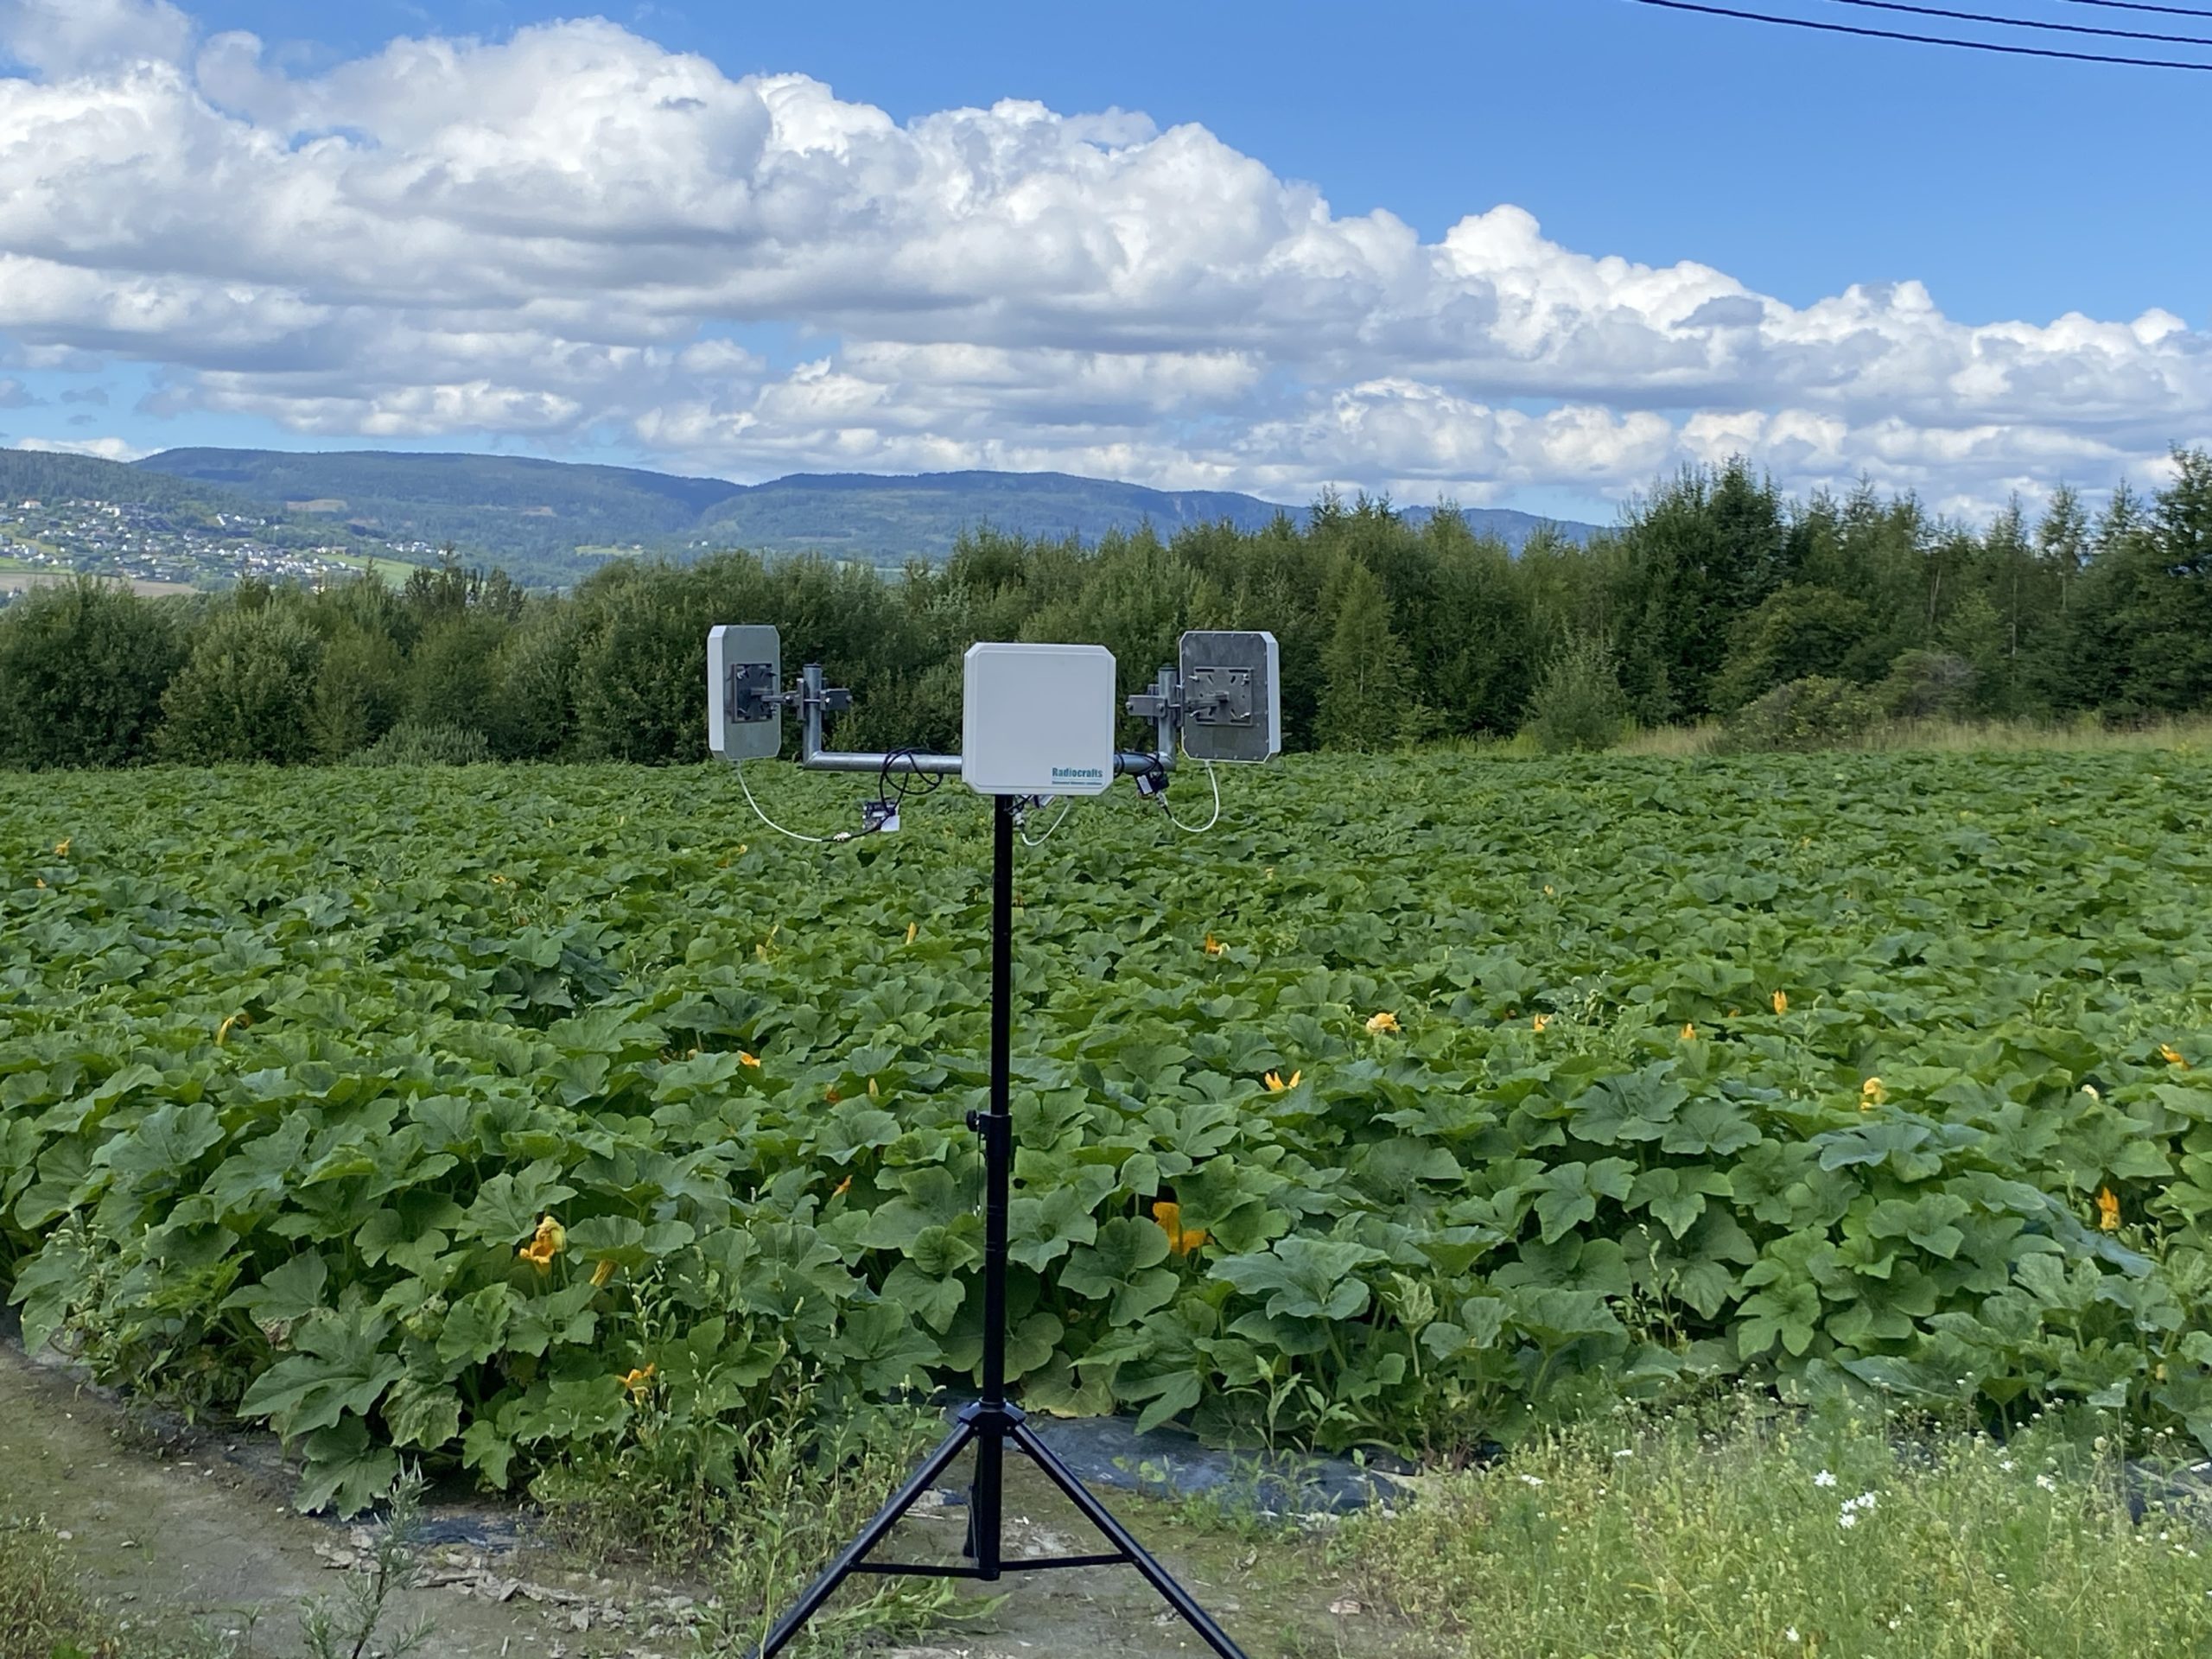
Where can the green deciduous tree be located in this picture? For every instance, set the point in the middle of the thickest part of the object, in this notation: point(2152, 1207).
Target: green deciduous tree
point(248, 691)
point(1795, 633)
point(1577, 702)
point(360, 690)
point(82, 668)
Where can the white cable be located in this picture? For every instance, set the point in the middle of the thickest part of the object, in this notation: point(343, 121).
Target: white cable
point(1168, 812)
point(1066, 807)
point(818, 841)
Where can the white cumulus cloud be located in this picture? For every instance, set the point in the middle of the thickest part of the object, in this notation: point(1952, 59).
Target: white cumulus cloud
point(574, 235)
point(66, 37)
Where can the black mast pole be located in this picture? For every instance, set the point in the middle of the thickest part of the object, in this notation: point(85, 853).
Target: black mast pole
point(990, 1421)
point(996, 1126)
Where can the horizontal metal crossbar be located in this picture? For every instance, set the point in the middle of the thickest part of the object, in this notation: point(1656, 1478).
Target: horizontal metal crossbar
point(1039, 1563)
point(1027, 1564)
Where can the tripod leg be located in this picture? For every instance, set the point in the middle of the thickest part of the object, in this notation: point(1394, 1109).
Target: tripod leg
point(870, 1535)
point(1119, 1537)
point(986, 1532)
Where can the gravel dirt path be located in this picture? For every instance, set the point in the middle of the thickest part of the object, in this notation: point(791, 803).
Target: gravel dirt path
point(191, 1530)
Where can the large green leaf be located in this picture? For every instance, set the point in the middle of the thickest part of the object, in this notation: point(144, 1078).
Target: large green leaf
point(340, 1367)
point(1304, 1277)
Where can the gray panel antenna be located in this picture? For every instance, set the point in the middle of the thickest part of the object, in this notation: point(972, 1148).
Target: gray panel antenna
point(1232, 699)
point(745, 716)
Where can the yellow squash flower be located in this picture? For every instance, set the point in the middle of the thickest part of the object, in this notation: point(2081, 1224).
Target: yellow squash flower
point(1385, 1021)
point(640, 1381)
point(1689, 1032)
point(744, 1059)
point(550, 1239)
point(1214, 947)
point(1169, 1215)
point(61, 848)
point(1540, 1022)
point(2173, 1056)
point(602, 1273)
point(2107, 1209)
point(843, 1188)
point(1781, 1001)
point(1872, 1094)
point(913, 928)
point(1277, 1085)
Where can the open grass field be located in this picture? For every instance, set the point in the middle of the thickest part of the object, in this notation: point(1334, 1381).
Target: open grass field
point(19, 578)
point(508, 1119)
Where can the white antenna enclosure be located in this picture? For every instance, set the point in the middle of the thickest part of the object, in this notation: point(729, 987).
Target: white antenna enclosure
point(1037, 720)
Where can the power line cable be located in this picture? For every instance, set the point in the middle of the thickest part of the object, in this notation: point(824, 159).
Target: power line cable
point(2022, 23)
point(2009, 51)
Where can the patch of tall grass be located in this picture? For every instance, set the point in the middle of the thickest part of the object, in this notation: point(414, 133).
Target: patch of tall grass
point(46, 1614)
point(2187, 733)
point(1750, 1534)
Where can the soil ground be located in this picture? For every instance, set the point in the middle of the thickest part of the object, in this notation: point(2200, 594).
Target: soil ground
point(189, 1530)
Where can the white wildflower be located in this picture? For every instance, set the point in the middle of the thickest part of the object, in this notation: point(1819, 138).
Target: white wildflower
point(2046, 1483)
point(1824, 1479)
point(1848, 1519)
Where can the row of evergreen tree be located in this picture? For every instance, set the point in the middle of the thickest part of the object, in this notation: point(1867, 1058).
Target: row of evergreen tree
point(1715, 595)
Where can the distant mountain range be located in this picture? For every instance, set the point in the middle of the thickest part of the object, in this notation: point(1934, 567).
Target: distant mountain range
point(551, 522)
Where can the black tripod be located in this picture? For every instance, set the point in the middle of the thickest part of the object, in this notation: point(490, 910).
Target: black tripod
point(990, 1423)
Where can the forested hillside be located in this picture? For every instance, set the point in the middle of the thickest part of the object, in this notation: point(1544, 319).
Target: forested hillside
point(36, 475)
point(552, 523)
point(531, 515)
point(1797, 622)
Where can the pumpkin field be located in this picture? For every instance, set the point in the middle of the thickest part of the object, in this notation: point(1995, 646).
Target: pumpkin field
point(483, 1116)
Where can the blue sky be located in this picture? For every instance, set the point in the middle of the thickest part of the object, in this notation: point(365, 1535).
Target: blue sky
point(1795, 165)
